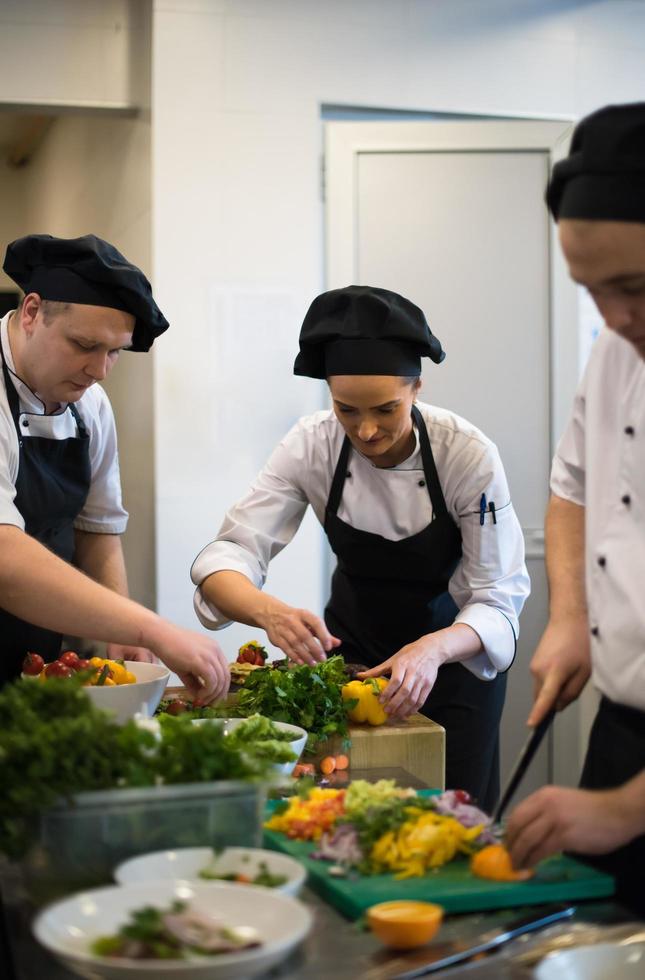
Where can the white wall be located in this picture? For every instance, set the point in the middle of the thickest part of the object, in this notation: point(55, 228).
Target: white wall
point(238, 219)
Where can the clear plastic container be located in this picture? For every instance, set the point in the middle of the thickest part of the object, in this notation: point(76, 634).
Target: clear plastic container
point(78, 845)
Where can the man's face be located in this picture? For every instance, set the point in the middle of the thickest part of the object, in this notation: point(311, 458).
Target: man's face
point(64, 354)
point(608, 257)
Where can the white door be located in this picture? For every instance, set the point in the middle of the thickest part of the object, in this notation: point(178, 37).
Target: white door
point(452, 215)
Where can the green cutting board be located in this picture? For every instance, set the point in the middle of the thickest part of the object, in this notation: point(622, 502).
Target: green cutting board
point(558, 879)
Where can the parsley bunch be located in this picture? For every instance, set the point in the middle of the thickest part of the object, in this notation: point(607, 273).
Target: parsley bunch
point(306, 696)
point(55, 743)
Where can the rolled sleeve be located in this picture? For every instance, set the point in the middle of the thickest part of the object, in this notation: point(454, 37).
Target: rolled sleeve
point(491, 583)
point(568, 468)
point(103, 511)
point(219, 556)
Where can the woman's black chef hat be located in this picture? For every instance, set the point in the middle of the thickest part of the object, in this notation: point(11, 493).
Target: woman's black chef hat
point(603, 178)
point(90, 271)
point(364, 330)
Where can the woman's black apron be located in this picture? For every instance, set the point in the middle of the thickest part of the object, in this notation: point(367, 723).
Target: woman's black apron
point(386, 594)
point(53, 482)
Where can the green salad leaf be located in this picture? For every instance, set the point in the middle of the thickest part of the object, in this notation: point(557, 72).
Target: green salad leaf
point(306, 696)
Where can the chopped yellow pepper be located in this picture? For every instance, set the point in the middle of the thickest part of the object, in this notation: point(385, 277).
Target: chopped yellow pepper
point(369, 709)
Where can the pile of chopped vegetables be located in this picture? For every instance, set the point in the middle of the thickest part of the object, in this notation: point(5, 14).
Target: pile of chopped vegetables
point(380, 827)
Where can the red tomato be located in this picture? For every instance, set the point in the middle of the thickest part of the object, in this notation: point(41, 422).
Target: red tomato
point(462, 796)
point(57, 669)
point(70, 659)
point(84, 665)
point(32, 664)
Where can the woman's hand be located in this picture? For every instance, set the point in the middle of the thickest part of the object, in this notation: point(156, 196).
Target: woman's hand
point(119, 651)
point(302, 636)
point(413, 674)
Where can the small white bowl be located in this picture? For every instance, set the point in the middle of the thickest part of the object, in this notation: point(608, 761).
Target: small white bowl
point(296, 745)
point(127, 700)
point(187, 862)
point(68, 928)
point(602, 961)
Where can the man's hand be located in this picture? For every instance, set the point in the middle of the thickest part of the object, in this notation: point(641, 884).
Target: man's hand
point(120, 651)
point(301, 635)
point(555, 819)
point(413, 674)
point(196, 659)
point(561, 666)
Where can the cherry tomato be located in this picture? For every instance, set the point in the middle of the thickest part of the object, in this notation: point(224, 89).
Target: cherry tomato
point(32, 664)
point(84, 664)
point(57, 669)
point(462, 796)
point(70, 659)
point(176, 707)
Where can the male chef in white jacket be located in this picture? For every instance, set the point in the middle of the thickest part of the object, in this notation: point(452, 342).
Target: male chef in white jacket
point(595, 528)
point(61, 514)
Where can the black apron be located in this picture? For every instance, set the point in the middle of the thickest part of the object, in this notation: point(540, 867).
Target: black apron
point(53, 482)
point(616, 754)
point(386, 594)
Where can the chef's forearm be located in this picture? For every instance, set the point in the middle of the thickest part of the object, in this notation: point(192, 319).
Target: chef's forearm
point(39, 587)
point(565, 559)
point(101, 557)
point(455, 643)
point(235, 596)
point(632, 806)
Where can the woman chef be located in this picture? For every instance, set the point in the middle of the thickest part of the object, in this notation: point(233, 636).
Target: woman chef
point(430, 577)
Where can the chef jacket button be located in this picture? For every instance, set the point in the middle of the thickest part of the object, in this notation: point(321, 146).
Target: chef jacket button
point(629, 430)
point(602, 561)
point(25, 423)
point(422, 483)
point(626, 499)
point(347, 475)
point(594, 631)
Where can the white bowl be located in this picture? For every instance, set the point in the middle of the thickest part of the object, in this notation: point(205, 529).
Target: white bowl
point(296, 745)
point(602, 961)
point(68, 928)
point(187, 862)
point(127, 700)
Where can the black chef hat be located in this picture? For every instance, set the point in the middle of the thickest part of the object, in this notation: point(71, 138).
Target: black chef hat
point(603, 178)
point(364, 330)
point(90, 271)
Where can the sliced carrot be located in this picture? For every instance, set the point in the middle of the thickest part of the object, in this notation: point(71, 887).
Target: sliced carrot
point(342, 762)
point(304, 769)
point(327, 765)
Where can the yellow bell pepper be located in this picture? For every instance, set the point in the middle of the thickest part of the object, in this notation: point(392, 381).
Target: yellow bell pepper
point(369, 709)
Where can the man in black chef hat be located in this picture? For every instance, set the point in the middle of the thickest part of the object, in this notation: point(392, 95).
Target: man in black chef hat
point(62, 568)
point(595, 528)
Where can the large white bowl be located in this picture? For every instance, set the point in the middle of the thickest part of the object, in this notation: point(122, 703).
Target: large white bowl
point(68, 928)
point(187, 862)
point(127, 700)
point(602, 961)
point(296, 745)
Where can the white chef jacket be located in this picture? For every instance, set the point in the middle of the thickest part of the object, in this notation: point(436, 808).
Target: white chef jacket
point(103, 511)
point(600, 464)
point(490, 583)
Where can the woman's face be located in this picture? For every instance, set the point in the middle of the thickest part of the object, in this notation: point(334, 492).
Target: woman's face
point(375, 412)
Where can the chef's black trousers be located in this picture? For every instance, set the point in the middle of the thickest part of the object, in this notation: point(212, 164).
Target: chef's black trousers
point(615, 754)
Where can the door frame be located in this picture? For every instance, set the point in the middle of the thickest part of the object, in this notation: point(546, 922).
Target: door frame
point(344, 142)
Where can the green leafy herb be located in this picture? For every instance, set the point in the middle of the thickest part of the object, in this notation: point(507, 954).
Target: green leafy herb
point(306, 696)
point(55, 743)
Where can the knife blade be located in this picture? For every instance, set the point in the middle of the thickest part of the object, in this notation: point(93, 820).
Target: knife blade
point(511, 932)
point(529, 749)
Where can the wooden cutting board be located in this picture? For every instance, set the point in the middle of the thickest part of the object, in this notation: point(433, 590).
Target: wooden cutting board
point(417, 745)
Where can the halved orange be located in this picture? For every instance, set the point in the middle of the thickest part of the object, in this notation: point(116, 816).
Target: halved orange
point(404, 924)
